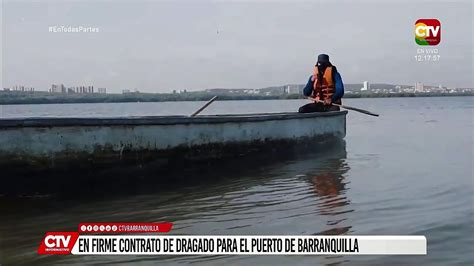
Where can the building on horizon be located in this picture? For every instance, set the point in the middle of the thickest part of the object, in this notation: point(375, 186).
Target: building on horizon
point(419, 87)
point(84, 89)
point(102, 90)
point(57, 88)
point(292, 89)
point(366, 86)
point(20, 88)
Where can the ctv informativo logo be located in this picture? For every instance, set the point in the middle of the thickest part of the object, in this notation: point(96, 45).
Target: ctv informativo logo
point(427, 31)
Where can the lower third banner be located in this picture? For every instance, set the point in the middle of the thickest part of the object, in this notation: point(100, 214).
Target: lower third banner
point(232, 245)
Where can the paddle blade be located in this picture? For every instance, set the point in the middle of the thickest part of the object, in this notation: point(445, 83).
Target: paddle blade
point(359, 110)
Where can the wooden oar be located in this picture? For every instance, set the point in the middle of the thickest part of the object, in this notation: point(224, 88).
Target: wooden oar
point(347, 107)
point(204, 106)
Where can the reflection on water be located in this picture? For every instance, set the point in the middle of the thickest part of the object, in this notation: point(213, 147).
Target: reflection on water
point(299, 194)
point(330, 185)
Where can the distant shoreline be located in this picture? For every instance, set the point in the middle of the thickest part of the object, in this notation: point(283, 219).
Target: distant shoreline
point(14, 98)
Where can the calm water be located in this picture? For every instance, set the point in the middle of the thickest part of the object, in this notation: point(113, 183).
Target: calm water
point(410, 171)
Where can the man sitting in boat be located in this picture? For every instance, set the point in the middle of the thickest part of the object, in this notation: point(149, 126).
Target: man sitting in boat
point(324, 87)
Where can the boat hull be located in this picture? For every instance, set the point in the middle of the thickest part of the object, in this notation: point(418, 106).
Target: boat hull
point(49, 143)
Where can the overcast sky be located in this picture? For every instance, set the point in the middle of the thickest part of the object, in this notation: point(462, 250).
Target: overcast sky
point(160, 46)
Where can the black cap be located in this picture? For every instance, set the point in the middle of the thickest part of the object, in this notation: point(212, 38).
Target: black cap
point(323, 58)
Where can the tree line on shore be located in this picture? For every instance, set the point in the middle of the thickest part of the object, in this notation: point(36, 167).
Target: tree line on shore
point(50, 98)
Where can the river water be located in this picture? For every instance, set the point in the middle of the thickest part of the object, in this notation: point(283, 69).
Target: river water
point(408, 172)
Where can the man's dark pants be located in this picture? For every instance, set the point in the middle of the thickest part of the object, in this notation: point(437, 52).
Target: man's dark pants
point(317, 107)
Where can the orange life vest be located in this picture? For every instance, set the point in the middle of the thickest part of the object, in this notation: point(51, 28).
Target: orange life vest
point(325, 88)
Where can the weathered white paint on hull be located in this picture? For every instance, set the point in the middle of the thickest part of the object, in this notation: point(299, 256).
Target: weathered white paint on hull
point(49, 138)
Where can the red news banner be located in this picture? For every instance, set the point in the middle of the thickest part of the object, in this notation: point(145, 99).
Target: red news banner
point(62, 242)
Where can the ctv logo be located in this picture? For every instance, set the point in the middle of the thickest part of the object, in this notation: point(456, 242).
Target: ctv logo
point(58, 243)
point(427, 32)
